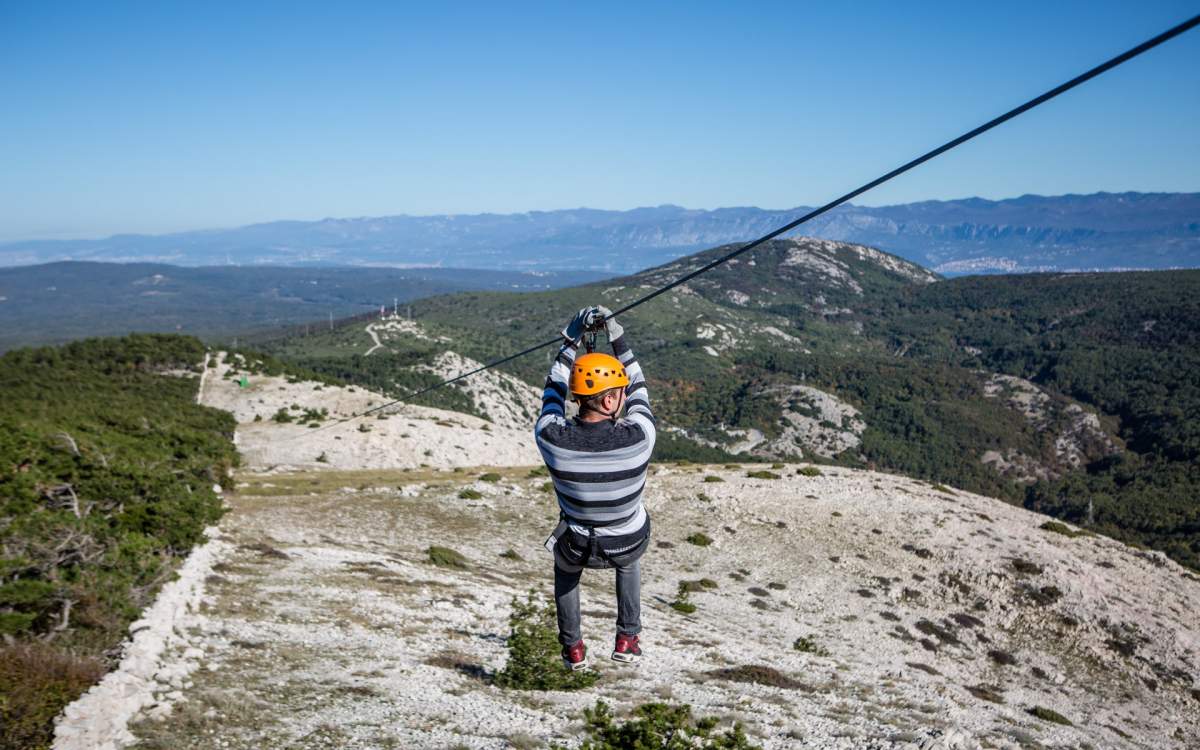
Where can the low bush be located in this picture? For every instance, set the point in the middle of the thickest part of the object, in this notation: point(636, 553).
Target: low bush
point(491, 476)
point(658, 726)
point(700, 539)
point(1047, 714)
point(469, 494)
point(534, 653)
point(713, 478)
point(762, 475)
point(1057, 527)
point(444, 557)
point(808, 471)
point(683, 593)
point(807, 644)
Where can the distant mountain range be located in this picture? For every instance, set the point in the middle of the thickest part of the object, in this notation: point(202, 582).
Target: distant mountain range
point(1103, 231)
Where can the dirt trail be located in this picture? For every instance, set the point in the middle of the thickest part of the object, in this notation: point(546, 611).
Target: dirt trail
point(329, 627)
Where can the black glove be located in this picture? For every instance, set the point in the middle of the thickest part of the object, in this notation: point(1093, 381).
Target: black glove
point(579, 324)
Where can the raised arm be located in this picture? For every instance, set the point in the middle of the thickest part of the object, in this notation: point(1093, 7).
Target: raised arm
point(554, 396)
point(637, 396)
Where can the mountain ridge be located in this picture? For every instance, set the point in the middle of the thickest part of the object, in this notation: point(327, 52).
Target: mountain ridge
point(1027, 233)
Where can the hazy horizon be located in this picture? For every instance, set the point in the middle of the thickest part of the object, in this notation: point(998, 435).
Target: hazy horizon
point(862, 204)
point(153, 119)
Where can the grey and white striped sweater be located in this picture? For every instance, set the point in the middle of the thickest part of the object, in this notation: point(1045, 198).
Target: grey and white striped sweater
point(598, 468)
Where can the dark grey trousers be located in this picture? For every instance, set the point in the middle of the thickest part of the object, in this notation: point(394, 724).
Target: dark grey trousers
point(566, 598)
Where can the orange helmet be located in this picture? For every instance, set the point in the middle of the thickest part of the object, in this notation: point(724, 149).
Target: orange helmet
point(595, 372)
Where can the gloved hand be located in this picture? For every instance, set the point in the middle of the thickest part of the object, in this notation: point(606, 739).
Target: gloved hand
point(611, 326)
point(579, 324)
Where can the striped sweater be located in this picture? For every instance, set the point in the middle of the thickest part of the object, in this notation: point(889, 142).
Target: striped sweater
point(598, 468)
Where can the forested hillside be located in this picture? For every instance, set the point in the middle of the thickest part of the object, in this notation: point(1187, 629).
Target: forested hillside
point(1074, 394)
point(107, 475)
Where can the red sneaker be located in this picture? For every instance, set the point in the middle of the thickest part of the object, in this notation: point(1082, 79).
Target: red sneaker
point(575, 657)
point(627, 649)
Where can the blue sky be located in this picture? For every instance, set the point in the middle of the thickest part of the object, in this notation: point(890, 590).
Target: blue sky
point(155, 117)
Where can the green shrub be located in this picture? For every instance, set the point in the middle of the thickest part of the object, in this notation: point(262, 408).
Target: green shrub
point(700, 539)
point(534, 653)
point(777, 466)
point(282, 416)
point(658, 726)
point(547, 487)
point(322, 459)
point(808, 645)
point(713, 478)
point(685, 607)
point(538, 471)
point(445, 557)
point(762, 475)
point(491, 476)
point(364, 427)
point(683, 593)
point(808, 471)
point(470, 494)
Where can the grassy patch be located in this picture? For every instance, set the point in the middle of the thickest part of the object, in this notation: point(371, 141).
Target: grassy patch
point(713, 478)
point(762, 474)
point(1025, 567)
point(759, 674)
point(445, 557)
point(1057, 527)
point(36, 682)
point(699, 538)
point(491, 476)
point(986, 693)
point(1048, 714)
point(808, 471)
point(469, 494)
point(511, 554)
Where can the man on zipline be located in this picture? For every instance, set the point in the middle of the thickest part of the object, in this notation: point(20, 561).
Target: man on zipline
point(598, 462)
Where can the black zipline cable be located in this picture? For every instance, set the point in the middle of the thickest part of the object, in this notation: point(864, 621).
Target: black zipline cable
point(1145, 46)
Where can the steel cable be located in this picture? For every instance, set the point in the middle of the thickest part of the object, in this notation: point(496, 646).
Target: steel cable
point(1129, 54)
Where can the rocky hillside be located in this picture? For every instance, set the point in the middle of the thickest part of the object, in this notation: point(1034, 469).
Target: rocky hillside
point(1049, 390)
point(833, 608)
